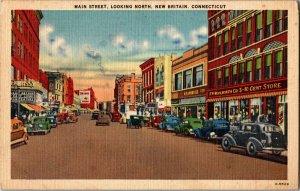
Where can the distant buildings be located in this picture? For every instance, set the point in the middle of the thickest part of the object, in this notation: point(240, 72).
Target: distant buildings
point(87, 98)
point(148, 81)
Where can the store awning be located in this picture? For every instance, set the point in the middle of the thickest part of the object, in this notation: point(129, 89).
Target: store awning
point(27, 107)
point(36, 107)
point(267, 94)
point(159, 90)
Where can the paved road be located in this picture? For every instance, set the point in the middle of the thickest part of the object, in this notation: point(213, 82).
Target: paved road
point(84, 151)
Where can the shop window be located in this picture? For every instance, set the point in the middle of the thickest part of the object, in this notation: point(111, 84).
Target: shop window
point(226, 77)
point(219, 37)
point(278, 23)
point(178, 81)
point(249, 71)
point(286, 20)
point(225, 47)
point(256, 108)
point(241, 72)
point(240, 35)
point(233, 110)
point(268, 30)
point(267, 67)
point(257, 74)
point(271, 109)
point(198, 76)
point(278, 64)
point(258, 27)
point(249, 31)
point(244, 104)
point(219, 81)
point(233, 39)
point(188, 78)
point(234, 74)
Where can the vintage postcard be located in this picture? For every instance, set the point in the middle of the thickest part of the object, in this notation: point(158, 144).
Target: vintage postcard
point(149, 95)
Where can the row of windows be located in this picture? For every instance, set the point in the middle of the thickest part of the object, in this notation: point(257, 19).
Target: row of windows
point(160, 76)
point(189, 78)
point(268, 66)
point(233, 39)
point(147, 78)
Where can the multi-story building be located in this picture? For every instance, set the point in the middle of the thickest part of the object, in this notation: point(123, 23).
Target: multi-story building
point(76, 101)
point(148, 80)
point(55, 92)
point(117, 96)
point(68, 90)
point(43, 79)
point(163, 76)
point(189, 81)
point(25, 44)
point(247, 65)
point(87, 98)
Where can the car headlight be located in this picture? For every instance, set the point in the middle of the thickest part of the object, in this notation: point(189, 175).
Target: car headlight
point(40, 125)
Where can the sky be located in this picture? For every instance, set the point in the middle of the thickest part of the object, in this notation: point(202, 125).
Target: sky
point(94, 46)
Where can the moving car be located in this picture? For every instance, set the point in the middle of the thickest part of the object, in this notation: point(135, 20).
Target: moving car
point(115, 117)
point(137, 121)
point(214, 128)
point(95, 115)
point(170, 123)
point(18, 132)
point(39, 124)
point(72, 118)
point(156, 120)
point(52, 121)
point(103, 119)
point(188, 126)
point(255, 137)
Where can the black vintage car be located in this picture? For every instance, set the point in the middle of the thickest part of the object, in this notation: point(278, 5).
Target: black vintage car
point(255, 137)
point(95, 115)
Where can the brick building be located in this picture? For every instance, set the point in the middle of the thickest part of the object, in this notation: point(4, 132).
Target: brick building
point(25, 44)
point(247, 65)
point(43, 79)
point(90, 95)
point(148, 80)
point(68, 90)
point(189, 77)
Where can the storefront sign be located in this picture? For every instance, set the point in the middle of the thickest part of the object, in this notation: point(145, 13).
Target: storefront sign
point(193, 100)
point(24, 96)
point(85, 97)
point(175, 101)
point(246, 89)
point(191, 92)
point(161, 104)
point(22, 83)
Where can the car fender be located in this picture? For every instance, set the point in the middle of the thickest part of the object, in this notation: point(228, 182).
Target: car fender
point(257, 143)
point(231, 139)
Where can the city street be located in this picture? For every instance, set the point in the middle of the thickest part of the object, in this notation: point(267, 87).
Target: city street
point(85, 151)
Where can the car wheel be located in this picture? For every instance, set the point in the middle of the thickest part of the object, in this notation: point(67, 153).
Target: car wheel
point(276, 153)
point(186, 133)
point(26, 140)
point(251, 149)
point(207, 136)
point(226, 144)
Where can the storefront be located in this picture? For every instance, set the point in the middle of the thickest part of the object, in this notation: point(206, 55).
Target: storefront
point(250, 102)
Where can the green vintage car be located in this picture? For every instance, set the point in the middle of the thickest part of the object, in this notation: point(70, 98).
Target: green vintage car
point(39, 124)
point(188, 126)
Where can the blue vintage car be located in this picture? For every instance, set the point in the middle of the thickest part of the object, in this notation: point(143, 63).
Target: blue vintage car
point(212, 129)
point(170, 123)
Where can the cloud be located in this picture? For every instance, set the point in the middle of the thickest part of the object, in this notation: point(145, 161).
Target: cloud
point(200, 33)
point(170, 32)
point(53, 45)
point(125, 44)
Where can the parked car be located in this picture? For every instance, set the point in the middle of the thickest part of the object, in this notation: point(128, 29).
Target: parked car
point(146, 120)
point(103, 119)
point(255, 137)
point(137, 121)
point(188, 126)
point(95, 115)
point(52, 121)
point(18, 132)
point(115, 117)
point(72, 118)
point(170, 123)
point(62, 117)
point(156, 120)
point(215, 128)
point(39, 124)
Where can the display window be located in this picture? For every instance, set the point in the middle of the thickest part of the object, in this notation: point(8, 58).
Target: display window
point(256, 108)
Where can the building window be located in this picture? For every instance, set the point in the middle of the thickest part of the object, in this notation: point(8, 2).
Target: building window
point(286, 20)
point(278, 23)
point(249, 31)
point(20, 49)
point(188, 78)
point(219, 37)
point(128, 89)
point(162, 76)
point(234, 74)
point(225, 42)
point(233, 39)
point(249, 71)
point(212, 25)
point(157, 77)
point(267, 67)
point(258, 27)
point(257, 74)
point(244, 104)
point(25, 77)
point(20, 27)
point(226, 77)
point(13, 43)
point(18, 74)
point(241, 72)
point(198, 76)
point(268, 30)
point(129, 98)
point(178, 81)
point(13, 15)
point(219, 81)
point(240, 35)
point(12, 72)
point(278, 64)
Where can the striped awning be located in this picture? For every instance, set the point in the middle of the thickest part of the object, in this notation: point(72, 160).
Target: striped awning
point(247, 96)
point(27, 106)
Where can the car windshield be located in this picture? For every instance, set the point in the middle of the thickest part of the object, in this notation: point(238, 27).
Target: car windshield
point(39, 120)
point(271, 128)
point(174, 120)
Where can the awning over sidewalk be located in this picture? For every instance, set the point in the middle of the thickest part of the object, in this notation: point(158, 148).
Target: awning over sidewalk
point(26, 106)
point(36, 107)
point(160, 90)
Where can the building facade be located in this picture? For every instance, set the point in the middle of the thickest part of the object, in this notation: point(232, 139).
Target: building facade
point(55, 94)
point(162, 82)
point(189, 83)
point(148, 81)
point(247, 65)
point(43, 79)
point(25, 44)
point(68, 90)
point(87, 98)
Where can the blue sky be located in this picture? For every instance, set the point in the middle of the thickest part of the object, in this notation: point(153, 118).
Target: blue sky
point(94, 46)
